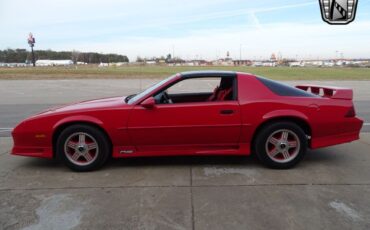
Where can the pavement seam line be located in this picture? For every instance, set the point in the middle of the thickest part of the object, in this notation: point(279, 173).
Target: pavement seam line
point(176, 186)
point(364, 142)
point(191, 199)
point(4, 153)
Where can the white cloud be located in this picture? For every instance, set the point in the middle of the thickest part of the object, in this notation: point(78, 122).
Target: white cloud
point(309, 41)
point(151, 28)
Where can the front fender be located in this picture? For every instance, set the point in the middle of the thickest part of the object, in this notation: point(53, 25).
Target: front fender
point(78, 118)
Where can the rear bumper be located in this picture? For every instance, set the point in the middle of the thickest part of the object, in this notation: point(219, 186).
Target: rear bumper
point(350, 132)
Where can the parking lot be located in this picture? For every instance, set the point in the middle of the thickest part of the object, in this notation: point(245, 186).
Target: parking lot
point(328, 190)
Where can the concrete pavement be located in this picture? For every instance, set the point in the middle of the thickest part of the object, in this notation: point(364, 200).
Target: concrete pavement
point(328, 190)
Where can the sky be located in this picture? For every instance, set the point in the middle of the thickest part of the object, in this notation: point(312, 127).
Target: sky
point(190, 29)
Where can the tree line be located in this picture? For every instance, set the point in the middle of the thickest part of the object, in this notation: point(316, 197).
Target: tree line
point(24, 56)
point(168, 59)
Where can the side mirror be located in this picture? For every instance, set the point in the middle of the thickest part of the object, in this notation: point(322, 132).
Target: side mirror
point(148, 103)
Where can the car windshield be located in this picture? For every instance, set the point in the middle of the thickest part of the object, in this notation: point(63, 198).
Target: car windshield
point(148, 90)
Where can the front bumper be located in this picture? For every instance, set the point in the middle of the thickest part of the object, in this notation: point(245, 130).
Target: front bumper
point(32, 144)
point(32, 151)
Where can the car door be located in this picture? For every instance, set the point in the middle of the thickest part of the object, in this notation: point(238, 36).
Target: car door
point(209, 124)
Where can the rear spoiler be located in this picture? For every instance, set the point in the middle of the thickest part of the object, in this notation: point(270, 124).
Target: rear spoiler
point(328, 91)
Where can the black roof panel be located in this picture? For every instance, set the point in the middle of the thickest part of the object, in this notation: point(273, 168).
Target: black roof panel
point(208, 73)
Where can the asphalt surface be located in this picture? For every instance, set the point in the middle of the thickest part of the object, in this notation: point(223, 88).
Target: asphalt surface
point(328, 190)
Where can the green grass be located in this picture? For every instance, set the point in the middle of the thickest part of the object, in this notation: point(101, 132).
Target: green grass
point(278, 73)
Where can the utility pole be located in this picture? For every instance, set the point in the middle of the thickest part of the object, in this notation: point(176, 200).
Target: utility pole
point(31, 41)
point(173, 51)
point(240, 53)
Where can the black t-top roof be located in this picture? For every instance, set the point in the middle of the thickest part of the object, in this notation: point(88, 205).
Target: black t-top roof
point(208, 73)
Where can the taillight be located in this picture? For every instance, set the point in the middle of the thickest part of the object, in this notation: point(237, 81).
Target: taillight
point(351, 112)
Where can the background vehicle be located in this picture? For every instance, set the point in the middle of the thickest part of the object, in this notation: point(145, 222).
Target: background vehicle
point(195, 113)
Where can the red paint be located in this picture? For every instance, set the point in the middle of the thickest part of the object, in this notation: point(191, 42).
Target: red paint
point(195, 128)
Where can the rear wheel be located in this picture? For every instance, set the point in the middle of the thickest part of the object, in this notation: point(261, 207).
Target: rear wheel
point(83, 148)
point(281, 145)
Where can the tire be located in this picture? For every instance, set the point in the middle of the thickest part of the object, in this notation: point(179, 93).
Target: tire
point(83, 148)
point(281, 145)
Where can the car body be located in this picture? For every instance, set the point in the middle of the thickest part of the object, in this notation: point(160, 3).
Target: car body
point(192, 123)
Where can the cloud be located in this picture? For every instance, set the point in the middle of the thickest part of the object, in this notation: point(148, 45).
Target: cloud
point(196, 28)
point(310, 41)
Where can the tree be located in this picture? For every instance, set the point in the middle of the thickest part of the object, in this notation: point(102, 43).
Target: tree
point(139, 59)
point(168, 58)
point(21, 56)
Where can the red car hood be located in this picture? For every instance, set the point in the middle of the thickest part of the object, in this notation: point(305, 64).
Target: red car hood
point(89, 105)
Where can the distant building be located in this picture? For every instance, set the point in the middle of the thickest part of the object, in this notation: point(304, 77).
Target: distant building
point(198, 63)
point(242, 62)
point(13, 65)
point(269, 64)
point(257, 64)
point(329, 63)
point(313, 63)
point(223, 62)
point(102, 64)
point(150, 62)
point(358, 63)
point(54, 62)
point(296, 64)
point(264, 63)
point(117, 64)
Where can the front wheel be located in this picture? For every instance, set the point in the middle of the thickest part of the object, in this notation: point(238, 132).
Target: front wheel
point(83, 148)
point(281, 145)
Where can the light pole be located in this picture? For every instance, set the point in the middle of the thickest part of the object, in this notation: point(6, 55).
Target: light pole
point(31, 41)
point(240, 52)
point(173, 52)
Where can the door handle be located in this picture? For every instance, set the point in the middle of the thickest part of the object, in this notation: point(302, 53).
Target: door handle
point(226, 111)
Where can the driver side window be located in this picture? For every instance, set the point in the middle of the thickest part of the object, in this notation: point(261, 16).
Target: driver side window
point(198, 90)
point(194, 85)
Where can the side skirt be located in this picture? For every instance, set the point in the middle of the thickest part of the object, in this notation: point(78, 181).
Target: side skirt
point(151, 151)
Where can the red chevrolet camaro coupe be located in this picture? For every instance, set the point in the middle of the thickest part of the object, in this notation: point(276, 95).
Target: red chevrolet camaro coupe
point(195, 113)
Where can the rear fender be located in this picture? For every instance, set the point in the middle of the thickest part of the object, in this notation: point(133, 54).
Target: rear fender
point(285, 113)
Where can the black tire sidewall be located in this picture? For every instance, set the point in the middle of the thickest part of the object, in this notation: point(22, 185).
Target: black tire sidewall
point(100, 137)
point(264, 134)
